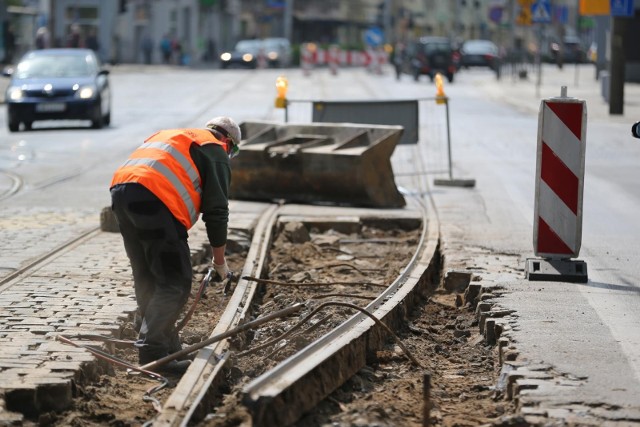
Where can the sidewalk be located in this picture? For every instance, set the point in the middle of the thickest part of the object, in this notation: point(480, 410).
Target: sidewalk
point(581, 83)
point(560, 361)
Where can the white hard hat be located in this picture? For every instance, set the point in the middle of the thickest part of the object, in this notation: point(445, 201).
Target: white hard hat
point(227, 127)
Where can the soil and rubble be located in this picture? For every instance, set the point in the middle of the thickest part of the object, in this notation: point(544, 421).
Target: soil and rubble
point(442, 333)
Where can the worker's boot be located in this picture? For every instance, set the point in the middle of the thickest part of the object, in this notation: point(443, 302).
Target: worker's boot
point(177, 367)
point(147, 355)
point(175, 346)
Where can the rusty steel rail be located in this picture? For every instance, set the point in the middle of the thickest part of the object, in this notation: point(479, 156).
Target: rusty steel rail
point(280, 396)
point(188, 400)
point(38, 261)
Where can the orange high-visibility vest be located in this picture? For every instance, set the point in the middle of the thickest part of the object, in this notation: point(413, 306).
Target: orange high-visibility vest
point(163, 165)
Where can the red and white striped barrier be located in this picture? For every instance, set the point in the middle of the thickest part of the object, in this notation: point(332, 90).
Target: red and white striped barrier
point(560, 177)
point(307, 58)
point(310, 56)
point(559, 187)
point(333, 58)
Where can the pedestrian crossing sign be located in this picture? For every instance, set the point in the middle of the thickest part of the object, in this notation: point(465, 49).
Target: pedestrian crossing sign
point(523, 16)
point(541, 12)
point(622, 8)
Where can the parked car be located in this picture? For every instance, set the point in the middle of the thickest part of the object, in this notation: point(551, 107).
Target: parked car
point(246, 53)
point(432, 55)
point(278, 51)
point(243, 55)
point(55, 84)
point(572, 51)
point(480, 53)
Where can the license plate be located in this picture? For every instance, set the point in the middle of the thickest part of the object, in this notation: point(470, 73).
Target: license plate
point(51, 107)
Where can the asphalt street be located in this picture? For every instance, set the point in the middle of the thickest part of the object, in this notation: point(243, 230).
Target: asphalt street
point(572, 351)
point(576, 346)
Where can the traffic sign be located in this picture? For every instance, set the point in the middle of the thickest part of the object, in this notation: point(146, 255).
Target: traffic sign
point(595, 7)
point(561, 14)
point(374, 36)
point(524, 13)
point(495, 14)
point(622, 8)
point(541, 12)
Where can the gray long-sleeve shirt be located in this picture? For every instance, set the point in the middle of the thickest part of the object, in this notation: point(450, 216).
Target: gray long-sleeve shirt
point(213, 165)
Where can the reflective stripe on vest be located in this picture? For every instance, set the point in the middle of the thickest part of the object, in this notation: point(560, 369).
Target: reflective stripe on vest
point(184, 162)
point(172, 178)
point(164, 166)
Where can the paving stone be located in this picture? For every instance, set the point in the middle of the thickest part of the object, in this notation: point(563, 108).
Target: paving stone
point(22, 363)
point(88, 289)
point(11, 418)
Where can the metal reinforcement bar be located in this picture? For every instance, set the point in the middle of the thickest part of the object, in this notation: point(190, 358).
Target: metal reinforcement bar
point(280, 396)
point(189, 399)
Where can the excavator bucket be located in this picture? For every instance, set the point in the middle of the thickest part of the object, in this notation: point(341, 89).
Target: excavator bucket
point(343, 164)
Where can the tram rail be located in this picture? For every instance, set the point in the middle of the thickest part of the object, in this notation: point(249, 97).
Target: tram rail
point(280, 395)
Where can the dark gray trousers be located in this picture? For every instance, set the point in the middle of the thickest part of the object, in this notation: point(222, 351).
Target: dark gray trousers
point(156, 244)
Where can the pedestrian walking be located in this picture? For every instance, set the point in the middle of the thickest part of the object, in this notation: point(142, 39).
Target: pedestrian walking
point(147, 48)
point(92, 41)
point(74, 38)
point(9, 39)
point(165, 49)
point(157, 196)
point(42, 38)
point(399, 59)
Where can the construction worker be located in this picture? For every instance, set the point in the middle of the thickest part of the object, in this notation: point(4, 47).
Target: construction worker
point(157, 196)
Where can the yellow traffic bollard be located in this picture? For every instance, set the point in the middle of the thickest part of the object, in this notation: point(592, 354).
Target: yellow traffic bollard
point(441, 98)
point(281, 87)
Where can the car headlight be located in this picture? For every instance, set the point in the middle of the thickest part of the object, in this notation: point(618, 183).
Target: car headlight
point(225, 56)
point(86, 92)
point(247, 57)
point(15, 93)
point(272, 55)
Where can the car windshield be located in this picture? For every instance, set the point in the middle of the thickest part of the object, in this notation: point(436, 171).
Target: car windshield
point(480, 47)
point(58, 65)
point(436, 47)
point(276, 42)
point(251, 46)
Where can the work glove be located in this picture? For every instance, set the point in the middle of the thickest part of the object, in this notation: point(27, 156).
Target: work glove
point(223, 270)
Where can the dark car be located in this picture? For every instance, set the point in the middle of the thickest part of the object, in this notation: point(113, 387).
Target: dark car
point(571, 51)
point(432, 55)
point(58, 84)
point(244, 55)
point(480, 53)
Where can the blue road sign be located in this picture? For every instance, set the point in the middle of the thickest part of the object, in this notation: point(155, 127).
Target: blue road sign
point(561, 14)
point(541, 12)
point(374, 36)
point(622, 8)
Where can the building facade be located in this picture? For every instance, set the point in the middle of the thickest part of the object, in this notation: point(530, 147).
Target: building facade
point(131, 31)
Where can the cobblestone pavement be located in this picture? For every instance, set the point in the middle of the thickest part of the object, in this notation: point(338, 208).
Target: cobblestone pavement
point(84, 288)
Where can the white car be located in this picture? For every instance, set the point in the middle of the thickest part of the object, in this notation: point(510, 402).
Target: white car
point(278, 51)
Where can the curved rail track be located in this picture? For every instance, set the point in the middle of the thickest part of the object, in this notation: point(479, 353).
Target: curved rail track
point(283, 393)
point(15, 183)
